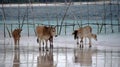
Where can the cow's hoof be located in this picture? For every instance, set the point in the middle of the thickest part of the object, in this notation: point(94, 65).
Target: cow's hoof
point(43, 50)
point(90, 46)
point(37, 40)
point(39, 49)
point(46, 49)
point(77, 43)
point(15, 48)
point(80, 46)
point(51, 46)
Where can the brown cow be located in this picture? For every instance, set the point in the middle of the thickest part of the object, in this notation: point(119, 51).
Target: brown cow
point(84, 32)
point(44, 34)
point(16, 36)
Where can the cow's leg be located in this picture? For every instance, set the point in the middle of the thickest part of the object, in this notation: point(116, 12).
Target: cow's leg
point(39, 44)
point(81, 43)
point(46, 45)
point(77, 41)
point(90, 42)
point(51, 46)
point(51, 42)
point(18, 43)
point(43, 45)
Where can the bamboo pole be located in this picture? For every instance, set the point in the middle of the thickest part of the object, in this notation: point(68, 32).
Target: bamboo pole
point(23, 19)
point(104, 17)
point(18, 16)
point(57, 25)
point(56, 17)
point(3, 18)
point(65, 28)
point(119, 25)
point(33, 20)
point(80, 17)
point(5, 26)
point(111, 16)
point(75, 18)
point(47, 14)
point(101, 27)
point(74, 25)
point(8, 31)
point(27, 20)
point(11, 27)
point(98, 28)
point(64, 17)
point(88, 12)
point(118, 16)
point(4, 31)
point(31, 6)
point(96, 18)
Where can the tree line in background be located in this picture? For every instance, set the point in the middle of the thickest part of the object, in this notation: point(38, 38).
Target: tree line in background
point(42, 1)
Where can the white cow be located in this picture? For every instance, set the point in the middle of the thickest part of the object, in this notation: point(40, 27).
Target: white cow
point(84, 32)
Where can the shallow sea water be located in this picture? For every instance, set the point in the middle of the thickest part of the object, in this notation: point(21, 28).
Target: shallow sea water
point(65, 56)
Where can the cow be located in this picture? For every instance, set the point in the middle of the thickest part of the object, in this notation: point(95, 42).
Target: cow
point(16, 34)
point(45, 33)
point(84, 32)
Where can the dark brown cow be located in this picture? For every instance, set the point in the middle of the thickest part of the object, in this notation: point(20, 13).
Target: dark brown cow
point(44, 34)
point(16, 36)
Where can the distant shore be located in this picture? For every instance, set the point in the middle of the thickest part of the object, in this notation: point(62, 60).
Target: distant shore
point(58, 4)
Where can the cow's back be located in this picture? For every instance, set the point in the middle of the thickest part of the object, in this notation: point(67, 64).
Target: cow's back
point(16, 34)
point(43, 32)
point(39, 30)
point(46, 30)
point(85, 31)
point(88, 29)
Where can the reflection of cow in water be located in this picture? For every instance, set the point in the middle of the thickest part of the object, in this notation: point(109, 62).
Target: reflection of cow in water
point(16, 60)
point(45, 59)
point(16, 36)
point(83, 56)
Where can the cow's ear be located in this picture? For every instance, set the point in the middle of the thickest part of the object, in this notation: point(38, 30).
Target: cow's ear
point(55, 26)
point(20, 29)
point(50, 26)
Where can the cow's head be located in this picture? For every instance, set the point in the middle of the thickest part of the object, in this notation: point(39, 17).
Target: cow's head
point(75, 34)
point(19, 30)
point(53, 31)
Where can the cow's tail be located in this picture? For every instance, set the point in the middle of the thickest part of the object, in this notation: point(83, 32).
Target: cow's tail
point(90, 29)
